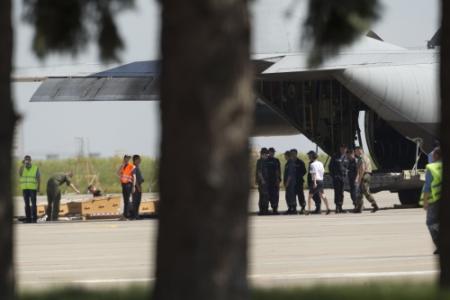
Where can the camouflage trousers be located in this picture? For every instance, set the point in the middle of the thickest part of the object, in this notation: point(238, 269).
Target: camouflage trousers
point(364, 190)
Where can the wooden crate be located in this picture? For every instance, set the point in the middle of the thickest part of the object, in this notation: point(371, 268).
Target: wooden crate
point(101, 206)
point(69, 209)
point(65, 209)
point(149, 207)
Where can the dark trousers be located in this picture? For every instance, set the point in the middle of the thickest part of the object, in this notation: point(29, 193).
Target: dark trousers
point(353, 190)
point(29, 197)
point(301, 194)
point(263, 190)
point(53, 201)
point(433, 222)
point(317, 201)
point(291, 194)
point(127, 188)
point(274, 195)
point(338, 185)
point(137, 197)
point(316, 198)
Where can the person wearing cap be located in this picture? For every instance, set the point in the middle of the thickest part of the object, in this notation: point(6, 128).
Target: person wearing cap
point(338, 173)
point(316, 197)
point(262, 179)
point(127, 181)
point(436, 144)
point(274, 179)
point(352, 172)
point(30, 181)
point(317, 171)
point(54, 193)
point(363, 179)
point(290, 182)
point(300, 169)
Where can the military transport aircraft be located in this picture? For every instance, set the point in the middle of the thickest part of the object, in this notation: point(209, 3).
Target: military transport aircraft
point(395, 87)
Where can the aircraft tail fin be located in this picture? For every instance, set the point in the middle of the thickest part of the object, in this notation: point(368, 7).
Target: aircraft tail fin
point(435, 40)
point(375, 36)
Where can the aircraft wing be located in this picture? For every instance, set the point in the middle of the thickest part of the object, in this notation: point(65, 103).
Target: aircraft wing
point(297, 63)
point(138, 81)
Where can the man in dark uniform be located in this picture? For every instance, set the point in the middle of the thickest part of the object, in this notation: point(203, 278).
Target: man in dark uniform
point(137, 193)
point(290, 183)
point(352, 172)
point(262, 177)
point(301, 171)
point(54, 193)
point(338, 172)
point(274, 169)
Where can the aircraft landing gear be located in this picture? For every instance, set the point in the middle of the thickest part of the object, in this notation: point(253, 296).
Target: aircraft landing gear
point(409, 197)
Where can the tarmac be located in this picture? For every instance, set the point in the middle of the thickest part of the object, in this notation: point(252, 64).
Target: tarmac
point(390, 245)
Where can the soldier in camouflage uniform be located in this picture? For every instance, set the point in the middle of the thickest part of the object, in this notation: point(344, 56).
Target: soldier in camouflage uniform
point(54, 193)
point(363, 180)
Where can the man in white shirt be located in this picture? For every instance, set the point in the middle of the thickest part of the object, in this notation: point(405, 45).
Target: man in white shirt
point(317, 171)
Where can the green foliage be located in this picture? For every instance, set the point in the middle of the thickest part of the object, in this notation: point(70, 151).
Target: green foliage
point(333, 24)
point(67, 26)
point(105, 168)
point(379, 291)
point(135, 293)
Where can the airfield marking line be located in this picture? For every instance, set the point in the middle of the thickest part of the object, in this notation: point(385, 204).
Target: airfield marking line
point(280, 276)
point(341, 275)
point(118, 280)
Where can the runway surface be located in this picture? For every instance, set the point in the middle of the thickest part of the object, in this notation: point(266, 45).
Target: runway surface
point(392, 244)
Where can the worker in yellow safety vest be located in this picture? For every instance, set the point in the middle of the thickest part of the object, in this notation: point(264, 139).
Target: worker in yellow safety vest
point(29, 181)
point(431, 195)
point(127, 180)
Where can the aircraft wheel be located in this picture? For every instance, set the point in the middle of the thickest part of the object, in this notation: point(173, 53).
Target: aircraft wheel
point(409, 197)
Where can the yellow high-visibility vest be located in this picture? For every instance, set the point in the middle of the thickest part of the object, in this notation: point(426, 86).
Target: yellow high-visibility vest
point(28, 180)
point(436, 185)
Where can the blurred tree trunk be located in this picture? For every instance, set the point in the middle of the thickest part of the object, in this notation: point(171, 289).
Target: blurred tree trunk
point(444, 247)
point(206, 109)
point(7, 122)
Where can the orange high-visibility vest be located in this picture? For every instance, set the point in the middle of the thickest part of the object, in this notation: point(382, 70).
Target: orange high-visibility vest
point(126, 173)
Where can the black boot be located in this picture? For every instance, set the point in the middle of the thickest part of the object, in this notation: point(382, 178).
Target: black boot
point(275, 211)
point(375, 207)
point(263, 212)
point(358, 209)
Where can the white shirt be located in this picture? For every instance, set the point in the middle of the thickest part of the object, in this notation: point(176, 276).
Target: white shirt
point(317, 169)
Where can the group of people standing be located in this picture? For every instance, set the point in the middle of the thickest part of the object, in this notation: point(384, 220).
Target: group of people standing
point(131, 179)
point(268, 178)
point(30, 184)
point(352, 164)
point(129, 174)
point(356, 166)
